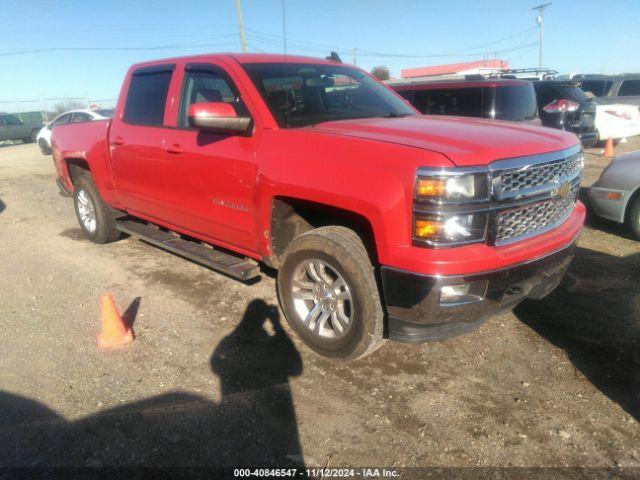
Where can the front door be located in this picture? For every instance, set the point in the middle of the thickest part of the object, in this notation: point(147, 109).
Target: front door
point(211, 177)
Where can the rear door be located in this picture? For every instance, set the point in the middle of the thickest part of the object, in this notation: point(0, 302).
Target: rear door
point(136, 142)
point(212, 176)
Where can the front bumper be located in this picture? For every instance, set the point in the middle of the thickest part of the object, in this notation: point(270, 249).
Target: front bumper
point(588, 139)
point(415, 312)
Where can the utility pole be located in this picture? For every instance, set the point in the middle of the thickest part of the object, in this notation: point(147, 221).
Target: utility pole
point(243, 39)
point(540, 22)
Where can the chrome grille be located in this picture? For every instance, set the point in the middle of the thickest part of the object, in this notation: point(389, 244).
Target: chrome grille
point(534, 218)
point(531, 178)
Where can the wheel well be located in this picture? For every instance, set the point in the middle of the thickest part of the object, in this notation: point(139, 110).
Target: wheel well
point(77, 167)
point(292, 217)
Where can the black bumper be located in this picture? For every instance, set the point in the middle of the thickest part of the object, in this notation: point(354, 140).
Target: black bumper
point(588, 139)
point(415, 312)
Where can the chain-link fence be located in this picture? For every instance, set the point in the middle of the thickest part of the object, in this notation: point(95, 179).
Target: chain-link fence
point(44, 109)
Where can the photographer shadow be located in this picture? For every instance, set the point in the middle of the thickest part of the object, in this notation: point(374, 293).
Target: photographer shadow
point(594, 315)
point(254, 423)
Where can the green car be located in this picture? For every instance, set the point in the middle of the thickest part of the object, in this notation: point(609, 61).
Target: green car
point(12, 128)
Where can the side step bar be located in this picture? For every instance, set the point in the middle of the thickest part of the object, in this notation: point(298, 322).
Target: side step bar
point(240, 268)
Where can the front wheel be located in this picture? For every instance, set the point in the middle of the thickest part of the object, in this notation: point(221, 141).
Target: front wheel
point(634, 218)
point(44, 147)
point(94, 217)
point(328, 292)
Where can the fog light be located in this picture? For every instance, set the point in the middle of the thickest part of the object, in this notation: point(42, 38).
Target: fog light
point(463, 293)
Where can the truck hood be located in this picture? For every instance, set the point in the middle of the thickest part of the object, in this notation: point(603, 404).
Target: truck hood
point(465, 141)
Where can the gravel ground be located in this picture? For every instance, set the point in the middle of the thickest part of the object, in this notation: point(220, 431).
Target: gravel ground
point(216, 377)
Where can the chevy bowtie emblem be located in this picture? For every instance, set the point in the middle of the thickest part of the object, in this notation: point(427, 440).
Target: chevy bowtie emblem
point(563, 191)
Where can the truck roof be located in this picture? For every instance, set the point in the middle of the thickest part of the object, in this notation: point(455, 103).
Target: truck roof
point(456, 83)
point(242, 58)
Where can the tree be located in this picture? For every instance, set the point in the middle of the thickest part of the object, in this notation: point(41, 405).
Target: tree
point(67, 105)
point(381, 72)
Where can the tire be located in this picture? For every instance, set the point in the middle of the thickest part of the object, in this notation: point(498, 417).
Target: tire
point(339, 254)
point(44, 147)
point(634, 218)
point(92, 213)
point(33, 136)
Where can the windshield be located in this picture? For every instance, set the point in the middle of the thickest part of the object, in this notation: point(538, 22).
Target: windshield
point(299, 95)
point(516, 103)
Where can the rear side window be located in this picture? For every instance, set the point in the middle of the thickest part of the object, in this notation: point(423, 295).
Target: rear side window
point(147, 95)
point(629, 87)
point(516, 103)
point(466, 102)
point(599, 88)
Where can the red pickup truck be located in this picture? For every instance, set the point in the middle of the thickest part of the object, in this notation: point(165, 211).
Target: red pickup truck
point(381, 222)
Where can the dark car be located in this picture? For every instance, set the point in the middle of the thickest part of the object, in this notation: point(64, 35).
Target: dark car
point(495, 99)
point(563, 105)
point(610, 89)
point(12, 128)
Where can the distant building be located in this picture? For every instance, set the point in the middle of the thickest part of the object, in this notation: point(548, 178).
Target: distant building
point(466, 68)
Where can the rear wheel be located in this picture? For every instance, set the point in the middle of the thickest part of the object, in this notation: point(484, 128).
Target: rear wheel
point(33, 136)
point(93, 215)
point(634, 217)
point(328, 291)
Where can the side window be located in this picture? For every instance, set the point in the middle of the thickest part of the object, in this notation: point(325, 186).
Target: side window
point(3, 122)
point(208, 84)
point(629, 87)
point(62, 119)
point(11, 120)
point(81, 117)
point(421, 102)
point(465, 102)
point(406, 94)
point(147, 96)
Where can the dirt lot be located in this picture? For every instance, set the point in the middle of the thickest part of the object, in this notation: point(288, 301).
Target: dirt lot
point(215, 376)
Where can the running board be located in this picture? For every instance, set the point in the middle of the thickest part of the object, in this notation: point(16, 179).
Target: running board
point(240, 268)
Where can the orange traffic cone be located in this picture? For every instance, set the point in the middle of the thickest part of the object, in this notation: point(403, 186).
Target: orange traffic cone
point(114, 332)
point(608, 148)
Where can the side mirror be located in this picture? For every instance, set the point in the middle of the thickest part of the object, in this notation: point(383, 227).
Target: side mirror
point(216, 117)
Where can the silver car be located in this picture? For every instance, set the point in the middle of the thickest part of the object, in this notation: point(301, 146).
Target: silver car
point(616, 194)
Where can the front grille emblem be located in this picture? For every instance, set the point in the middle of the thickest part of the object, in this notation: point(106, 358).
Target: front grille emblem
point(563, 191)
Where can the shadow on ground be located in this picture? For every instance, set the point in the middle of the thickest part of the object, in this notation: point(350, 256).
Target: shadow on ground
point(598, 327)
point(2, 206)
point(253, 424)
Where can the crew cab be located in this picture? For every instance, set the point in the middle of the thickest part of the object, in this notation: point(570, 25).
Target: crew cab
point(381, 222)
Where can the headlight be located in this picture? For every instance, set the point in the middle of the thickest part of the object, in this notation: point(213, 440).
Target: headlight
point(452, 229)
point(453, 188)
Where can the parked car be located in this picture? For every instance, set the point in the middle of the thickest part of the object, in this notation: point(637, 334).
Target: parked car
point(495, 99)
point(365, 207)
point(12, 128)
point(563, 105)
point(72, 116)
point(616, 194)
point(608, 89)
point(617, 121)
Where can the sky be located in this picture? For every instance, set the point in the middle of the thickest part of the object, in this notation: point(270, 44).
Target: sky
point(82, 48)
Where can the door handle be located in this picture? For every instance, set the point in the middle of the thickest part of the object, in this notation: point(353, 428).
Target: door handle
point(117, 141)
point(175, 149)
